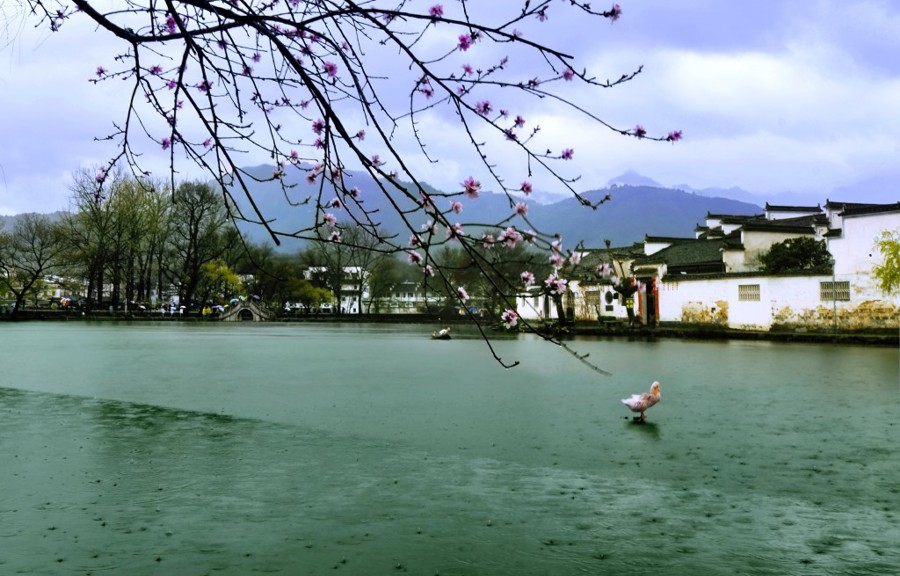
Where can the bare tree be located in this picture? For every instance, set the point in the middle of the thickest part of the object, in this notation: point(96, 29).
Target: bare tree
point(28, 253)
point(325, 86)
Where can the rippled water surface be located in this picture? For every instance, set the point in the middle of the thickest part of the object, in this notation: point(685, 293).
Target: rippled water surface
point(329, 449)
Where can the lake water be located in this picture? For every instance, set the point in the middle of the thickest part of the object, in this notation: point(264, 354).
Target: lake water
point(173, 448)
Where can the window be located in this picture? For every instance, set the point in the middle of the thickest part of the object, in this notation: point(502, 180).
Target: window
point(829, 291)
point(748, 292)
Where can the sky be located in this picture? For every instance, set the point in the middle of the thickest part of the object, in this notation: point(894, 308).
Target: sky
point(771, 96)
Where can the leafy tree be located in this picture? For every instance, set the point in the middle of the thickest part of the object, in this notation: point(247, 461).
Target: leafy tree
point(888, 271)
point(801, 254)
point(323, 85)
point(195, 236)
point(218, 283)
point(28, 252)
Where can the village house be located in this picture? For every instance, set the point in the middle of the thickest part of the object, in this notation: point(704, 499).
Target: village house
point(715, 278)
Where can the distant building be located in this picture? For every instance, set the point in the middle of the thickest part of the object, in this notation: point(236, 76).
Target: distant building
point(716, 278)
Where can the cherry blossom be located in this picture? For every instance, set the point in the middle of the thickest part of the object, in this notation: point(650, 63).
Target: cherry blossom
point(462, 294)
point(527, 278)
point(509, 318)
point(455, 231)
point(471, 187)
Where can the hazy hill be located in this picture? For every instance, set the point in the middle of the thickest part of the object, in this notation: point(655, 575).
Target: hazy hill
point(632, 213)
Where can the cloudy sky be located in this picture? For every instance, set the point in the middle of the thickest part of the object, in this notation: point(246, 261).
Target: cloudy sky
point(772, 96)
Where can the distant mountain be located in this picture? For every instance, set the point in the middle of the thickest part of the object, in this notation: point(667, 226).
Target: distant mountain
point(636, 211)
point(632, 178)
point(633, 211)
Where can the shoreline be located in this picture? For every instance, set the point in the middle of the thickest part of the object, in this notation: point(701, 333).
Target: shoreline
point(578, 328)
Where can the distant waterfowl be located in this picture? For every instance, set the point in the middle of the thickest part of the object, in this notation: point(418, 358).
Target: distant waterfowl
point(641, 402)
point(442, 334)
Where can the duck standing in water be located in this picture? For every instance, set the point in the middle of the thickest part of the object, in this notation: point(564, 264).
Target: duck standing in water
point(642, 402)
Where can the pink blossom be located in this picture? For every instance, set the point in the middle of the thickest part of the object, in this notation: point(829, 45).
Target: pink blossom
point(335, 203)
point(575, 258)
point(166, 143)
point(171, 84)
point(483, 108)
point(207, 142)
point(526, 187)
point(436, 11)
point(567, 154)
point(542, 14)
point(295, 157)
point(330, 219)
point(603, 270)
point(318, 126)
point(427, 204)
point(456, 207)
point(171, 25)
point(335, 236)
point(361, 135)
point(614, 13)
point(414, 257)
point(101, 175)
point(156, 69)
point(674, 136)
point(488, 240)
point(101, 71)
point(331, 69)
point(462, 294)
point(527, 278)
point(568, 74)
point(467, 70)
point(455, 232)
point(509, 318)
point(471, 187)
point(519, 122)
point(556, 260)
point(639, 131)
point(415, 241)
point(205, 86)
point(429, 271)
point(354, 192)
point(256, 57)
point(429, 228)
point(522, 209)
point(510, 237)
point(376, 160)
point(465, 42)
point(556, 285)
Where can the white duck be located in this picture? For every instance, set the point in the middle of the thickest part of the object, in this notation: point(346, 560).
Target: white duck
point(642, 402)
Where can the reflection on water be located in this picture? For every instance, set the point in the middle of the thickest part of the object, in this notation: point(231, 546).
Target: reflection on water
point(130, 450)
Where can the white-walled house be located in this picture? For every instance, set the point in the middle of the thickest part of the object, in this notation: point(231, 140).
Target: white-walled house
point(715, 277)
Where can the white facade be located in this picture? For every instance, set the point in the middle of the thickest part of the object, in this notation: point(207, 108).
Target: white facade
point(848, 299)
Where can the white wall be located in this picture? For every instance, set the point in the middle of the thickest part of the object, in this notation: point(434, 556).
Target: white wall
point(789, 302)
